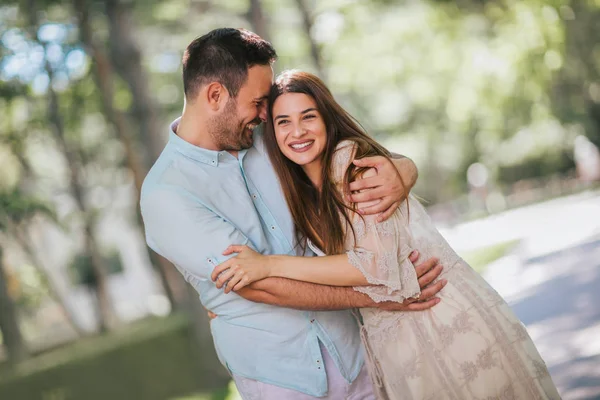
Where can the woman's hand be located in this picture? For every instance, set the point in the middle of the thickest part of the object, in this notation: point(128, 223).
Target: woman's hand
point(247, 267)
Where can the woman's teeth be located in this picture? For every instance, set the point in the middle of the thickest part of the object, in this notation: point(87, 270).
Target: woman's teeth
point(301, 145)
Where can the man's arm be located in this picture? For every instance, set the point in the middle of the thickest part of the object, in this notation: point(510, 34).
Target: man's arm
point(309, 296)
point(391, 184)
point(193, 237)
point(407, 169)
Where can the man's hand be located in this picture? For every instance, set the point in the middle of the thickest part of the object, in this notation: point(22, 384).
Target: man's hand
point(386, 185)
point(427, 272)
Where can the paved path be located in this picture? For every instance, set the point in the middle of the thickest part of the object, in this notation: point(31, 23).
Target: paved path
point(552, 281)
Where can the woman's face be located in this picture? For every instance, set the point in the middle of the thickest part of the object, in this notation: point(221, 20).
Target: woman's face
point(299, 128)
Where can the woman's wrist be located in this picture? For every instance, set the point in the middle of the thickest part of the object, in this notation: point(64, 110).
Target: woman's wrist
point(273, 265)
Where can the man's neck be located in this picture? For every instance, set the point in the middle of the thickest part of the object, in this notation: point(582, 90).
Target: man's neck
point(193, 128)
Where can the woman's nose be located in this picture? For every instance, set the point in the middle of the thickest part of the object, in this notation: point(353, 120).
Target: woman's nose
point(299, 131)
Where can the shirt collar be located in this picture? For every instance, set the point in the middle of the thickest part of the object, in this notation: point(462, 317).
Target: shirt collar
point(210, 157)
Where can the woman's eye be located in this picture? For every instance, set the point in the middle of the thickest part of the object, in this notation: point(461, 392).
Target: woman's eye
point(282, 122)
point(309, 116)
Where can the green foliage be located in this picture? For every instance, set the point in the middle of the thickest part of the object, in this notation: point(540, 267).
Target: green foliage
point(33, 288)
point(82, 271)
point(15, 207)
point(449, 83)
point(151, 360)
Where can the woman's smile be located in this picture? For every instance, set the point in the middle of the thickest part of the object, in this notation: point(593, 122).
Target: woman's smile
point(301, 146)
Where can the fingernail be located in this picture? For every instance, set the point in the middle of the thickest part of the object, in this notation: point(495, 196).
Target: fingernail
point(437, 300)
point(444, 282)
point(415, 253)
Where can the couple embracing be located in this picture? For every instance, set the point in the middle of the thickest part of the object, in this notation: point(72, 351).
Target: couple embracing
point(328, 278)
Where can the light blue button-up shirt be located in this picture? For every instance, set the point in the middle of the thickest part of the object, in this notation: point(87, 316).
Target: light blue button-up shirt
point(195, 203)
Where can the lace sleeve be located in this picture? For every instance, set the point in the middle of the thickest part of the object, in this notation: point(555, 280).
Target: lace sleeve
point(378, 250)
point(381, 254)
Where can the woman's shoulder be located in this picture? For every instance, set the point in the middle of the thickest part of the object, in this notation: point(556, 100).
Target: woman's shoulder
point(344, 151)
point(345, 145)
point(342, 158)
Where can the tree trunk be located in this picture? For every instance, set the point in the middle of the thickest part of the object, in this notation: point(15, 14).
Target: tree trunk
point(256, 16)
point(106, 316)
point(127, 59)
point(173, 284)
point(77, 191)
point(9, 323)
point(76, 188)
point(315, 50)
point(54, 290)
point(24, 241)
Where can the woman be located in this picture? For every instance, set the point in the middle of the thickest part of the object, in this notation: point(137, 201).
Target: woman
point(470, 346)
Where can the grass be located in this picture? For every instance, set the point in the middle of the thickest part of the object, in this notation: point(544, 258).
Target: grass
point(92, 345)
point(228, 393)
point(479, 259)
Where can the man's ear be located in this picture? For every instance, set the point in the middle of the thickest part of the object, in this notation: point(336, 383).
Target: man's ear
point(217, 96)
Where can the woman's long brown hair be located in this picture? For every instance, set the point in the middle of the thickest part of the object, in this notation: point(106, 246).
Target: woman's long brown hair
point(317, 215)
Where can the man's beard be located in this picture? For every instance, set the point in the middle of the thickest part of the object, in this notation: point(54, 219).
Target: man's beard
point(230, 133)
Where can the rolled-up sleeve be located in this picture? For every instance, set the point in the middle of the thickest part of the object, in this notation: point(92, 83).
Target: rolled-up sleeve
point(186, 232)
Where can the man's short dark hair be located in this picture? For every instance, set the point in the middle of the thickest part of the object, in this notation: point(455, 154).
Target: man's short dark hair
point(224, 55)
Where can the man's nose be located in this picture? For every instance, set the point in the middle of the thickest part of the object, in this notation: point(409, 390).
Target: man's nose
point(262, 114)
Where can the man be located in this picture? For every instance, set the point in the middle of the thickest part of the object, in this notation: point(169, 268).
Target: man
point(213, 186)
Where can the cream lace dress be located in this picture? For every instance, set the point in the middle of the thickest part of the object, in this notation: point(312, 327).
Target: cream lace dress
point(469, 346)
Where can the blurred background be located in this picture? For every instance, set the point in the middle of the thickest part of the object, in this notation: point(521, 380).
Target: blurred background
point(498, 103)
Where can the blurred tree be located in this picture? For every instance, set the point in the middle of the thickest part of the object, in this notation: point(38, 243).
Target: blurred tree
point(15, 138)
point(75, 160)
point(15, 209)
point(576, 91)
point(104, 77)
point(82, 270)
point(257, 18)
point(127, 58)
point(315, 49)
point(9, 324)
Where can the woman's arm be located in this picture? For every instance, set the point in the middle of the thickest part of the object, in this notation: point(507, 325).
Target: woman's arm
point(249, 266)
point(328, 270)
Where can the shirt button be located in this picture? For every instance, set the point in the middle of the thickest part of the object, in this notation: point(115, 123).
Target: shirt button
point(254, 196)
point(273, 227)
point(312, 320)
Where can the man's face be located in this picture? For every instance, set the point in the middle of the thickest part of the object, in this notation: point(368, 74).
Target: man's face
point(233, 128)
